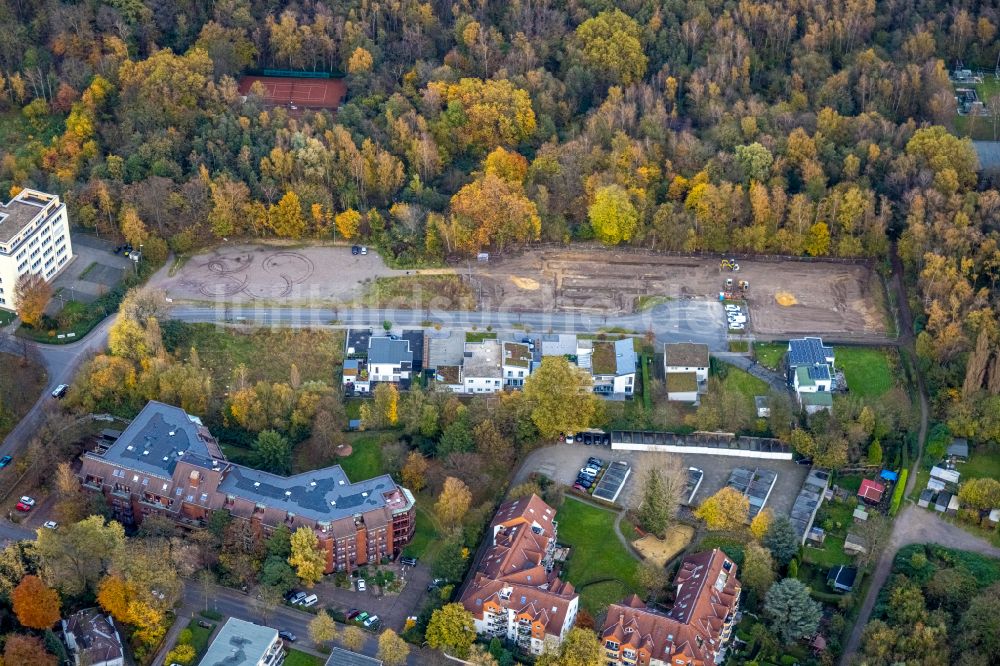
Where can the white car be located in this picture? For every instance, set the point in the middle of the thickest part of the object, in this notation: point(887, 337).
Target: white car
point(589, 471)
point(737, 327)
point(732, 308)
point(28, 501)
point(364, 249)
point(361, 585)
point(50, 524)
point(371, 621)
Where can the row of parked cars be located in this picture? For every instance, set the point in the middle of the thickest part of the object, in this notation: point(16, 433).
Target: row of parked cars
point(736, 315)
point(363, 618)
point(588, 474)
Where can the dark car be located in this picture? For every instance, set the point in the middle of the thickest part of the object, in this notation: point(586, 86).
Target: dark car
point(291, 594)
point(606, 440)
point(596, 462)
point(355, 249)
point(204, 624)
point(286, 636)
point(585, 482)
point(5, 461)
point(408, 561)
point(353, 613)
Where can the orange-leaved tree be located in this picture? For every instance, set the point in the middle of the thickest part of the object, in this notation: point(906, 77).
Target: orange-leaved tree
point(35, 603)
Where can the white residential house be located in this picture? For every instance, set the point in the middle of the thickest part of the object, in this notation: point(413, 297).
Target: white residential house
point(356, 375)
point(612, 365)
point(246, 644)
point(686, 366)
point(517, 363)
point(482, 368)
point(34, 238)
point(389, 359)
point(810, 373)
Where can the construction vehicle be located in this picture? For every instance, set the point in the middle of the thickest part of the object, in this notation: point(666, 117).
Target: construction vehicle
point(729, 265)
point(729, 284)
point(744, 285)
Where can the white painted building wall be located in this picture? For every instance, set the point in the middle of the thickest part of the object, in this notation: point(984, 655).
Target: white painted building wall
point(704, 450)
point(42, 247)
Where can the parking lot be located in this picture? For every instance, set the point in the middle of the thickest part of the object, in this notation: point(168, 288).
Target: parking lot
point(562, 463)
point(392, 609)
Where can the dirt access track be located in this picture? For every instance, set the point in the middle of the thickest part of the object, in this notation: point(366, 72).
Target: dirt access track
point(819, 297)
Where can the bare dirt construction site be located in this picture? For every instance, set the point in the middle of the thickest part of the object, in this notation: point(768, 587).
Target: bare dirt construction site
point(785, 297)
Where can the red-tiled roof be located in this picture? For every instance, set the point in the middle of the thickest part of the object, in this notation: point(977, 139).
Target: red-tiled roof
point(707, 592)
point(871, 490)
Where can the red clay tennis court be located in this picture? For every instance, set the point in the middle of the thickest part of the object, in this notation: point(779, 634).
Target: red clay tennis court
point(296, 93)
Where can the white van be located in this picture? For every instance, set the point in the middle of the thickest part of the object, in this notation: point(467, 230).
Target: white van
point(311, 600)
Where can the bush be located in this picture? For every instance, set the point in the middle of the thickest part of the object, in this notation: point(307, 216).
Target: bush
point(897, 493)
point(211, 615)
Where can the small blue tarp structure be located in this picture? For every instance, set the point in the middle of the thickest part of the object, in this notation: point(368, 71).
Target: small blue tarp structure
point(889, 475)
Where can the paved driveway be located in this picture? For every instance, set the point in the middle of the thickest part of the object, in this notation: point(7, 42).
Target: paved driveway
point(562, 462)
point(392, 609)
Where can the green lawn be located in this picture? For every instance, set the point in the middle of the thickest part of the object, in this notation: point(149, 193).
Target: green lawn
point(866, 369)
point(769, 354)
point(199, 637)
point(365, 460)
point(425, 537)
point(745, 383)
point(479, 336)
point(597, 556)
point(267, 353)
point(300, 658)
point(981, 464)
point(830, 555)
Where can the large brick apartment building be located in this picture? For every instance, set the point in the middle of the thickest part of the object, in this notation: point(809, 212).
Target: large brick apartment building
point(167, 463)
point(696, 629)
point(515, 592)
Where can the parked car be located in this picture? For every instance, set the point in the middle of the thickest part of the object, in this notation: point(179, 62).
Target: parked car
point(60, 391)
point(579, 486)
point(737, 318)
point(310, 600)
point(737, 326)
point(361, 617)
point(50, 524)
point(353, 613)
point(593, 461)
point(361, 585)
point(25, 503)
point(584, 483)
point(408, 561)
point(372, 621)
point(297, 598)
point(364, 250)
point(355, 249)
point(732, 308)
point(590, 471)
point(569, 439)
point(205, 624)
point(291, 594)
point(5, 461)
point(286, 636)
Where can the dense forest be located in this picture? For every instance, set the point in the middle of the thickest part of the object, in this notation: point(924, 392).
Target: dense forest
point(787, 126)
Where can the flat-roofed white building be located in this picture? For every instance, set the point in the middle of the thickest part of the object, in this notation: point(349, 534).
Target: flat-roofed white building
point(34, 238)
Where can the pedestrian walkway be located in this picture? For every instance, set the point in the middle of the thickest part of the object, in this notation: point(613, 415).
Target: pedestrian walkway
point(774, 379)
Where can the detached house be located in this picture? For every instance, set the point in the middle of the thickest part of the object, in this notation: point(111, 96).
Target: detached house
point(389, 360)
point(686, 367)
point(693, 633)
point(482, 370)
point(516, 363)
point(515, 593)
point(612, 365)
point(810, 373)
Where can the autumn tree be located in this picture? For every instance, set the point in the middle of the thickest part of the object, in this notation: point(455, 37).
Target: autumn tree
point(491, 212)
point(757, 572)
point(612, 215)
point(652, 577)
point(451, 629)
point(761, 523)
point(581, 647)
point(414, 471)
point(484, 114)
point(23, 650)
point(392, 649)
point(453, 502)
point(348, 223)
point(611, 46)
point(360, 61)
point(386, 401)
point(285, 217)
point(306, 558)
point(35, 604)
point(133, 228)
point(322, 629)
point(560, 396)
point(76, 556)
point(727, 509)
point(32, 294)
point(981, 493)
point(353, 637)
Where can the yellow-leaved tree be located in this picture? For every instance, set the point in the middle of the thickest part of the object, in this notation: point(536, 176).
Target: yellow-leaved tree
point(725, 510)
point(307, 559)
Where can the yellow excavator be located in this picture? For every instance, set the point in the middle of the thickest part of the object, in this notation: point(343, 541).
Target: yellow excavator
point(729, 265)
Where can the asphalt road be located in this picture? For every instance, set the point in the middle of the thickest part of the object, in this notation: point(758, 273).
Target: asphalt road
point(676, 321)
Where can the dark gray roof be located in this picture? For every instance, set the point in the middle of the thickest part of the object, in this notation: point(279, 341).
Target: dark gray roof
point(323, 495)
point(383, 349)
point(959, 447)
point(988, 153)
point(624, 357)
point(357, 340)
point(342, 657)
point(157, 438)
point(808, 351)
point(842, 575)
point(416, 340)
